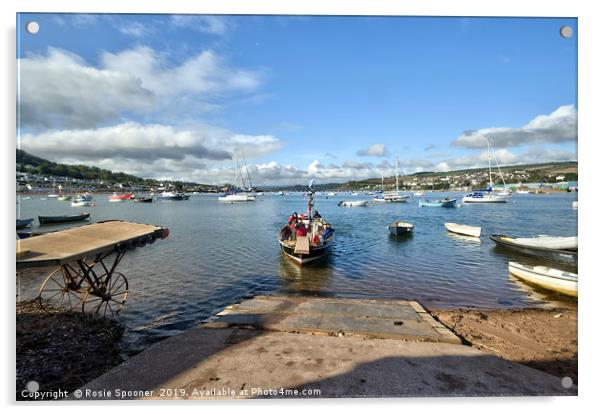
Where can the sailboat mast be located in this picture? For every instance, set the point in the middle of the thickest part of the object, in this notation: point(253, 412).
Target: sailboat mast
point(489, 159)
point(247, 168)
point(498, 166)
point(397, 175)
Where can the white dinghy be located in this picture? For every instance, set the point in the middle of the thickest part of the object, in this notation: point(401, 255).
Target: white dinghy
point(548, 242)
point(545, 277)
point(359, 203)
point(463, 229)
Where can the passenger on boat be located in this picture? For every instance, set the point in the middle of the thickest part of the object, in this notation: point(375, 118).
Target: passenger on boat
point(317, 215)
point(293, 219)
point(301, 230)
point(316, 239)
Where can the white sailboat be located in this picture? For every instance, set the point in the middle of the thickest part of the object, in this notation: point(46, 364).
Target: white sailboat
point(392, 196)
point(238, 195)
point(488, 195)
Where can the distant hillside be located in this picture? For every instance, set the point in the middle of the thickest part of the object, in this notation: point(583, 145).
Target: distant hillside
point(535, 173)
point(35, 165)
point(31, 164)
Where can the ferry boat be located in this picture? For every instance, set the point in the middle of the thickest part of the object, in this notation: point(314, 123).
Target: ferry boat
point(315, 244)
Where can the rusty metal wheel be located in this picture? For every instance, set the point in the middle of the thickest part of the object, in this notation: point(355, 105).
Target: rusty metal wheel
point(61, 290)
point(108, 296)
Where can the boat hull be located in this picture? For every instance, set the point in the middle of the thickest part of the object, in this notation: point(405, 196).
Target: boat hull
point(444, 204)
point(81, 204)
point(22, 223)
point(353, 203)
point(463, 230)
point(63, 219)
point(315, 253)
point(547, 278)
point(236, 198)
point(485, 199)
point(396, 230)
point(567, 257)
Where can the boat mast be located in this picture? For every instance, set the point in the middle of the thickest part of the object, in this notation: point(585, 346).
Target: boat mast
point(247, 168)
point(498, 166)
point(396, 175)
point(489, 159)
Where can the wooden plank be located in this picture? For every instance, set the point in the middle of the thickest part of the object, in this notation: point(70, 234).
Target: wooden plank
point(302, 245)
point(71, 244)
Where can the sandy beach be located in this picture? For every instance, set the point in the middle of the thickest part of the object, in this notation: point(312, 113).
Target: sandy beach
point(544, 339)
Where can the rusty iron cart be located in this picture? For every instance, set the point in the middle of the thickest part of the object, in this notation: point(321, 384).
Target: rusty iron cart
point(86, 258)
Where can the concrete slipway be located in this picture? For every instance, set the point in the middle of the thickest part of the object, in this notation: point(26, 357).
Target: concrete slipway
point(290, 347)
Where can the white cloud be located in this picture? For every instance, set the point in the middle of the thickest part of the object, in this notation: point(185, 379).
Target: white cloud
point(375, 150)
point(60, 90)
point(204, 74)
point(135, 29)
point(128, 141)
point(149, 150)
point(215, 25)
point(559, 126)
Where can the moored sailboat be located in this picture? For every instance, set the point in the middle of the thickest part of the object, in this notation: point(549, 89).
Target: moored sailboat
point(488, 195)
point(239, 194)
point(391, 196)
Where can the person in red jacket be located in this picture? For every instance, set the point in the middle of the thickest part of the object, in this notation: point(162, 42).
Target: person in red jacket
point(301, 230)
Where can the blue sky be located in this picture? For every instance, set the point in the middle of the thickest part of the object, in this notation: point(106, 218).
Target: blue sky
point(331, 98)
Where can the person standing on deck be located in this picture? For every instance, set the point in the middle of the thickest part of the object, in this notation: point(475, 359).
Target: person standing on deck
point(301, 230)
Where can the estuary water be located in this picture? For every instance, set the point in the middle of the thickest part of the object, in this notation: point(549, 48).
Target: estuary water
point(218, 254)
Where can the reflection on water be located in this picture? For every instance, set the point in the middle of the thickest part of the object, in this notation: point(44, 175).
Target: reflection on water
point(464, 240)
point(313, 279)
point(218, 254)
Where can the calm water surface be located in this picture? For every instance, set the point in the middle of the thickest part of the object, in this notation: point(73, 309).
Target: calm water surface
point(217, 254)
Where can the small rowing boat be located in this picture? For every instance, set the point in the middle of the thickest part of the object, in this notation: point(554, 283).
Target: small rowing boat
point(569, 257)
point(400, 227)
point(143, 200)
point(547, 278)
point(63, 219)
point(120, 198)
point(81, 203)
point(359, 203)
point(546, 242)
point(22, 223)
point(463, 229)
point(446, 202)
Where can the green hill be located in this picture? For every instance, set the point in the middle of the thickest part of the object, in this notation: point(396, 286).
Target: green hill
point(35, 165)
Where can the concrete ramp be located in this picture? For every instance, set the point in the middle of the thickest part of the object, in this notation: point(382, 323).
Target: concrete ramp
point(375, 318)
point(296, 347)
